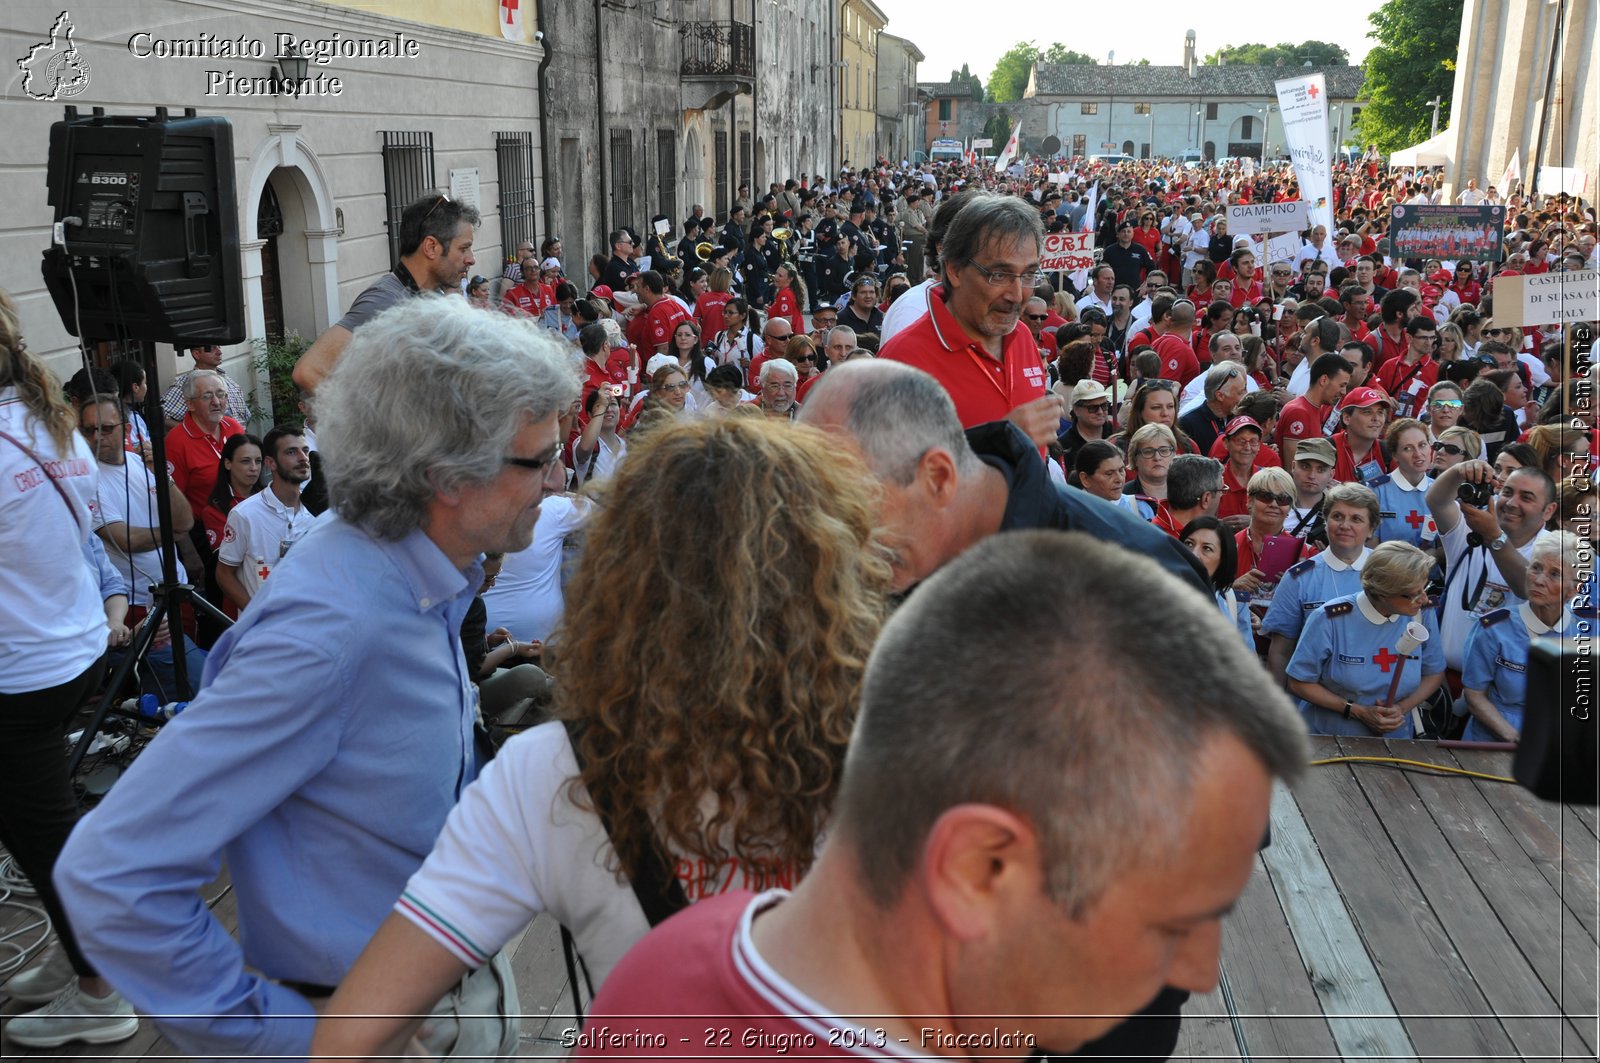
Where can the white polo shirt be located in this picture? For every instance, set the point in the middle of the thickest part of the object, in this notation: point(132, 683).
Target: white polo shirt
point(128, 496)
point(258, 534)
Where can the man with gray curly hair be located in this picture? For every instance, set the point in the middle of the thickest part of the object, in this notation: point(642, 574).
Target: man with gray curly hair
point(333, 730)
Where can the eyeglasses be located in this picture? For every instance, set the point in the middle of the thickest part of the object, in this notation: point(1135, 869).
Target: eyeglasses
point(778, 385)
point(1280, 273)
point(804, 359)
point(207, 396)
point(1155, 452)
point(1448, 448)
point(1445, 404)
point(999, 278)
point(1497, 332)
point(1415, 596)
point(1160, 385)
point(679, 386)
point(536, 464)
point(1268, 496)
point(1038, 317)
point(1096, 407)
point(91, 430)
point(442, 199)
point(783, 337)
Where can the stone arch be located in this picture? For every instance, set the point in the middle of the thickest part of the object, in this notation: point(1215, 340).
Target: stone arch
point(693, 168)
point(311, 254)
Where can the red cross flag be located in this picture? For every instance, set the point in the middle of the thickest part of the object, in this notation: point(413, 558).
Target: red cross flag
point(511, 20)
point(1009, 152)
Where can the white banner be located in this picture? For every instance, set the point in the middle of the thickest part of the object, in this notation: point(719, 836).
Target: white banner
point(1089, 215)
point(1556, 180)
point(1546, 298)
point(1058, 178)
point(982, 142)
point(1513, 174)
point(1067, 252)
point(1245, 218)
point(1285, 248)
point(1009, 152)
point(1303, 105)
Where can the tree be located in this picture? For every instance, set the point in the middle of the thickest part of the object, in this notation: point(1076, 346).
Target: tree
point(967, 77)
point(1413, 62)
point(1009, 79)
point(1318, 53)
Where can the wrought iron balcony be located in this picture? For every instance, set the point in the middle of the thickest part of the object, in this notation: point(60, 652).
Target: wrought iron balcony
point(718, 50)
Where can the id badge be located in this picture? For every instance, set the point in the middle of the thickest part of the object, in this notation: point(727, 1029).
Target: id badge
point(1369, 471)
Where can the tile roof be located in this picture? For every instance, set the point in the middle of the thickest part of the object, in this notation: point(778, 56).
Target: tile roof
point(1238, 79)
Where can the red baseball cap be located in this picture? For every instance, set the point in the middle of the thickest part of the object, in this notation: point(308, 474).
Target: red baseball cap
point(1361, 398)
point(602, 290)
point(1240, 422)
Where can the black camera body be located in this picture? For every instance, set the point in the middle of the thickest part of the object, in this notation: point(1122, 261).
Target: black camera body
point(1479, 494)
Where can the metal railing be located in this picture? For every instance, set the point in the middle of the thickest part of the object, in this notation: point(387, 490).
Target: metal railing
point(718, 49)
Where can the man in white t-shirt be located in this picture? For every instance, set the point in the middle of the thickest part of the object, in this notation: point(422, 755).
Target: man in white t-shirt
point(1486, 549)
point(913, 302)
point(125, 509)
point(261, 529)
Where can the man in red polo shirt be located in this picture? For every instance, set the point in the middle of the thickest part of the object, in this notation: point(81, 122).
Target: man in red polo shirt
point(194, 448)
point(523, 297)
point(1358, 455)
point(1408, 377)
point(1178, 361)
point(973, 340)
point(1312, 415)
point(665, 313)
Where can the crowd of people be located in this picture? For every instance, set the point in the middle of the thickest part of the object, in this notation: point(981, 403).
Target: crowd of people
point(589, 609)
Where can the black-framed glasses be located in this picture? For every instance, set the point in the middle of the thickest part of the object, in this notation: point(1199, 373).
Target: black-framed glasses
point(92, 430)
point(1096, 407)
point(536, 464)
point(1155, 452)
point(999, 278)
point(802, 359)
point(1448, 448)
point(1269, 496)
point(1038, 317)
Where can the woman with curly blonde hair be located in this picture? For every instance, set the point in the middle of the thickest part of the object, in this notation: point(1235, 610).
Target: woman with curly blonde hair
point(678, 767)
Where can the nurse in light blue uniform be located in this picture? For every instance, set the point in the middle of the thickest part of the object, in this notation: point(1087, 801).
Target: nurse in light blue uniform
point(1351, 512)
point(1402, 494)
point(1347, 653)
point(1494, 666)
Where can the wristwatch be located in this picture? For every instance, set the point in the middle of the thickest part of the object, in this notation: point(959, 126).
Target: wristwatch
point(1347, 706)
point(1498, 542)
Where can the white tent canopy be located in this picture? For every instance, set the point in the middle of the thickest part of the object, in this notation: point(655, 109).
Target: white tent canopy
point(1438, 150)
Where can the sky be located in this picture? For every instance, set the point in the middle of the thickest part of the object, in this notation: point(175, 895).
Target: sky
point(952, 32)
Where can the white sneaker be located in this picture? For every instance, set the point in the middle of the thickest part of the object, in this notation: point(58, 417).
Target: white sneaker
point(42, 982)
point(75, 1016)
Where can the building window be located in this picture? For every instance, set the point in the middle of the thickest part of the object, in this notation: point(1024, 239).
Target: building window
point(513, 156)
point(1355, 113)
point(407, 177)
point(621, 178)
point(720, 151)
point(667, 173)
point(1080, 143)
point(745, 162)
point(1246, 127)
point(1211, 112)
point(1141, 108)
point(1088, 108)
point(944, 110)
point(1144, 151)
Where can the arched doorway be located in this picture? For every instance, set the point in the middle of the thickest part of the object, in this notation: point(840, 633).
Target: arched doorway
point(694, 170)
point(288, 193)
point(269, 226)
point(1127, 147)
point(803, 160)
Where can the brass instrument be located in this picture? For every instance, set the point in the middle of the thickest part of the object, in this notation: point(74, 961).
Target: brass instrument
point(705, 249)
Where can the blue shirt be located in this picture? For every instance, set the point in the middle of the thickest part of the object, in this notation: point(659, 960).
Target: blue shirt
point(1237, 613)
point(1496, 662)
point(1403, 511)
point(1304, 589)
point(1349, 647)
point(330, 739)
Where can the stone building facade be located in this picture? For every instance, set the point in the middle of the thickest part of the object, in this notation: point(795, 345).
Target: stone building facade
point(899, 102)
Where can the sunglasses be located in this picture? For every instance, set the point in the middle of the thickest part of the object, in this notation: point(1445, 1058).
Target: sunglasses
point(804, 358)
point(100, 430)
point(1038, 317)
point(1497, 331)
point(436, 204)
point(1096, 407)
point(1448, 448)
point(1268, 496)
point(1446, 404)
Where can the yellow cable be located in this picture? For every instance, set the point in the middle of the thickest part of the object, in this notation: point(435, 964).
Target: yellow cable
point(1415, 764)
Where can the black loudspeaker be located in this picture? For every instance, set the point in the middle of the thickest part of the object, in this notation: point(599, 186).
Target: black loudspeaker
point(148, 228)
point(1559, 752)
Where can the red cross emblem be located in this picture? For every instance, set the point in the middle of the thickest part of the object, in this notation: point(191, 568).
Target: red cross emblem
point(1383, 658)
point(510, 8)
point(1415, 519)
point(1312, 92)
point(262, 574)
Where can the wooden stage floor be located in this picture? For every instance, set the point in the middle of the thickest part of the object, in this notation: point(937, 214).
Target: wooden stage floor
point(1397, 915)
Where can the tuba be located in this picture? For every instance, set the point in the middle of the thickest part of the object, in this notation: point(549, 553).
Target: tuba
point(782, 236)
point(704, 250)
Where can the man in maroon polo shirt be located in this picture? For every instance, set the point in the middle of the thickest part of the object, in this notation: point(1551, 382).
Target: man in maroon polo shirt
point(972, 339)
